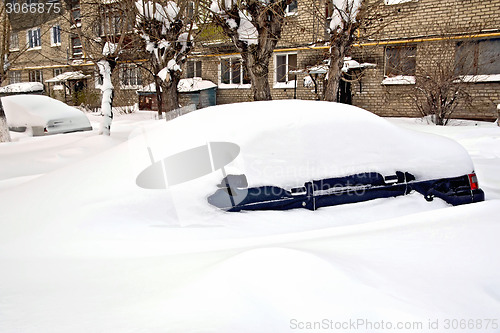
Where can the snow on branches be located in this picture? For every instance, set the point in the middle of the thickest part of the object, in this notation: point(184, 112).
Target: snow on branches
point(160, 25)
point(236, 19)
point(344, 12)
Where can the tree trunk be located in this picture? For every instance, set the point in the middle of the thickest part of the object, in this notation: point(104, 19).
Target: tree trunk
point(498, 112)
point(105, 69)
point(258, 70)
point(170, 97)
point(337, 55)
point(4, 128)
point(159, 97)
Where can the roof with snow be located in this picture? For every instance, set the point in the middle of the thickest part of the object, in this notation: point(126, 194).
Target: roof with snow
point(349, 63)
point(67, 76)
point(184, 85)
point(22, 87)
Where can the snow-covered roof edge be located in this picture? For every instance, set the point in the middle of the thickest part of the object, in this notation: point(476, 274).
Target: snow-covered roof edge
point(185, 85)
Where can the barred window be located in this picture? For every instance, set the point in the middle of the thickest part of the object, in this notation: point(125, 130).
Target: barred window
point(14, 77)
point(400, 60)
point(36, 76)
point(14, 41)
point(34, 38)
point(480, 57)
point(130, 76)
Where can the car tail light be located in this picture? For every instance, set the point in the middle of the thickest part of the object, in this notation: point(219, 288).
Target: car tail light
point(45, 130)
point(473, 181)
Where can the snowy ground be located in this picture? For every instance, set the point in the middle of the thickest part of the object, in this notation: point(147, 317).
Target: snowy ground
point(81, 250)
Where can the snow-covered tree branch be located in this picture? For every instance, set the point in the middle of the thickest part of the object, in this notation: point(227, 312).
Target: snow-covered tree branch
point(167, 34)
point(346, 20)
point(105, 34)
point(255, 28)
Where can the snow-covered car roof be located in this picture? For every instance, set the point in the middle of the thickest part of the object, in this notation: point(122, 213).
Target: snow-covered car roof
point(290, 142)
point(45, 112)
point(22, 87)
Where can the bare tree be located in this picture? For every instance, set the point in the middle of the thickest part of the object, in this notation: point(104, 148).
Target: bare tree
point(347, 18)
point(167, 30)
point(105, 33)
point(440, 87)
point(254, 27)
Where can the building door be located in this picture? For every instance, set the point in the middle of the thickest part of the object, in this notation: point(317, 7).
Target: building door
point(344, 93)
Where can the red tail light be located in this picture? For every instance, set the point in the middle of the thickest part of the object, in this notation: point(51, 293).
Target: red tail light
point(45, 130)
point(473, 181)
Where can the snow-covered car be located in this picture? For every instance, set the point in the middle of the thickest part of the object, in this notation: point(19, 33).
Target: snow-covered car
point(308, 154)
point(43, 115)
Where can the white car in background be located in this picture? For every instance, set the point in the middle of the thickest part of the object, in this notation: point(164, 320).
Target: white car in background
point(43, 115)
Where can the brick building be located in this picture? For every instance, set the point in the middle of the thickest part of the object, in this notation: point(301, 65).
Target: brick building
point(45, 47)
point(417, 33)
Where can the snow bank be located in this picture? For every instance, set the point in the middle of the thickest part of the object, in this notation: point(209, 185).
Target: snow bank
point(83, 249)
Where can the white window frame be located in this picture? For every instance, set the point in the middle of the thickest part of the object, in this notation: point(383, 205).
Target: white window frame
point(57, 70)
point(16, 46)
point(39, 71)
point(15, 77)
point(289, 83)
point(232, 85)
point(137, 76)
point(29, 41)
point(53, 41)
point(288, 12)
point(195, 67)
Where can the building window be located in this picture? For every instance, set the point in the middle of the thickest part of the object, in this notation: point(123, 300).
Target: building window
point(130, 76)
point(193, 69)
point(480, 57)
point(232, 71)
point(291, 8)
point(75, 11)
point(36, 76)
point(76, 47)
point(34, 38)
point(14, 77)
point(284, 63)
point(55, 36)
point(400, 61)
point(14, 41)
point(190, 10)
point(58, 71)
